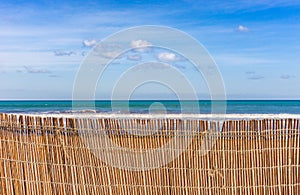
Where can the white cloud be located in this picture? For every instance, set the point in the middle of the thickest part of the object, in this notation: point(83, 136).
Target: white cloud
point(250, 72)
point(89, 43)
point(256, 77)
point(134, 57)
point(141, 45)
point(252, 75)
point(54, 76)
point(151, 66)
point(286, 76)
point(242, 28)
point(111, 54)
point(167, 57)
point(64, 53)
point(36, 70)
point(109, 51)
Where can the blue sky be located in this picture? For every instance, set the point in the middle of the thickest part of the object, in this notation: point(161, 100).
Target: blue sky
point(255, 44)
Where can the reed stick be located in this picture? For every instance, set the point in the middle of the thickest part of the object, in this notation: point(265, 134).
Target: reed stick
point(47, 155)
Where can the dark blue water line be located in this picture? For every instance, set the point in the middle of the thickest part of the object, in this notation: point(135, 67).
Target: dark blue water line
point(142, 106)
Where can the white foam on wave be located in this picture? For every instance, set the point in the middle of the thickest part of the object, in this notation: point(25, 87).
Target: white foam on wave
point(175, 116)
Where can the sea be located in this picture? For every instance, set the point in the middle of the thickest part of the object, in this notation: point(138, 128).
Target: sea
point(204, 107)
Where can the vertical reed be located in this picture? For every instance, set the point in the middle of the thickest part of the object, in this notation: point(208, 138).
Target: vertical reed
point(47, 155)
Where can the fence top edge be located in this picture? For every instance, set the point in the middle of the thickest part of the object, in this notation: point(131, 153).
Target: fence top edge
point(205, 117)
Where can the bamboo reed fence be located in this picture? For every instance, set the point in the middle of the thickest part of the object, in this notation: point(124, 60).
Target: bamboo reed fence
point(46, 155)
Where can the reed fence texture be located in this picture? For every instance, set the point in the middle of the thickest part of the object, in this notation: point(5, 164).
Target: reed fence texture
point(46, 155)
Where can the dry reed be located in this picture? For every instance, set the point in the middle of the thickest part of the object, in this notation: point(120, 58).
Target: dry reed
point(46, 155)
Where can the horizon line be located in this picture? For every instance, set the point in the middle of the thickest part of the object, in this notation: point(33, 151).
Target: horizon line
point(246, 99)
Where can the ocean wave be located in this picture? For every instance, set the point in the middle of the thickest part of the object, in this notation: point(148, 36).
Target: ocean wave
point(94, 114)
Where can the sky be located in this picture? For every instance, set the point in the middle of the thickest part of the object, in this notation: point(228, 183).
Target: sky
point(255, 45)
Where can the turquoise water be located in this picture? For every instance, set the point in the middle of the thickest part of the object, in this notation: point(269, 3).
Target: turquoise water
point(143, 106)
